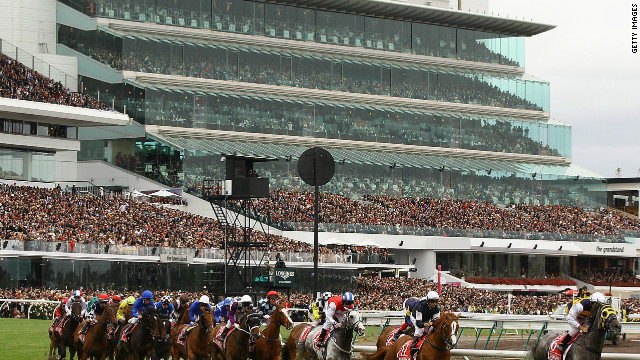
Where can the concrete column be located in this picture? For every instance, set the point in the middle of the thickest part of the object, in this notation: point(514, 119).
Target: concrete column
point(425, 262)
point(26, 165)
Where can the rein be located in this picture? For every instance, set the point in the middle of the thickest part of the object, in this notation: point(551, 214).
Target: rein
point(448, 343)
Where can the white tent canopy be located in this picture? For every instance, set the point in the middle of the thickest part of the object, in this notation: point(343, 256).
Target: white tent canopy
point(367, 242)
point(136, 193)
point(164, 193)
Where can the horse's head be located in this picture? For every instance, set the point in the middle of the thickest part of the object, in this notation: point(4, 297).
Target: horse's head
point(281, 317)
point(109, 317)
point(606, 318)
point(446, 326)
point(353, 322)
point(251, 324)
point(164, 329)
point(76, 310)
point(207, 320)
point(150, 321)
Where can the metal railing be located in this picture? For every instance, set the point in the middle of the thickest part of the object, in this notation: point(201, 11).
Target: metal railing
point(34, 63)
point(202, 253)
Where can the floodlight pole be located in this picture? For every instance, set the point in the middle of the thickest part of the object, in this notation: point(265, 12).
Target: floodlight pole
point(315, 224)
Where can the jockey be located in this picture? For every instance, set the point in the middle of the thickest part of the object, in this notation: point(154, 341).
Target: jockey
point(59, 313)
point(115, 301)
point(408, 306)
point(198, 308)
point(180, 307)
point(339, 307)
point(97, 308)
point(77, 297)
point(239, 308)
point(316, 309)
point(164, 306)
point(88, 313)
point(267, 306)
point(141, 305)
point(578, 317)
point(222, 309)
point(426, 311)
point(124, 308)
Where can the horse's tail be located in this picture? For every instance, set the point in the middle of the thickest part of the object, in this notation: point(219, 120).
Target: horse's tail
point(284, 353)
point(531, 353)
point(378, 355)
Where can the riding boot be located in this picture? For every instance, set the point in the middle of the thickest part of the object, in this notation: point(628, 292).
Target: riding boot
point(323, 333)
point(562, 347)
point(397, 335)
point(414, 345)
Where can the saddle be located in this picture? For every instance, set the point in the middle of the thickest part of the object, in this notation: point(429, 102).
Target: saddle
point(404, 353)
point(392, 334)
point(304, 334)
point(126, 332)
point(325, 340)
point(182, 336)
point(218, 338)
point(61, 325)
point(554, 353)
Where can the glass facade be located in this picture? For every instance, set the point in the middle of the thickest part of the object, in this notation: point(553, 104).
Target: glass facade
point(477, 264)
point(288, 22)
point(128, 275)
point(306, 70)
point(27, 165)
point(242, 113)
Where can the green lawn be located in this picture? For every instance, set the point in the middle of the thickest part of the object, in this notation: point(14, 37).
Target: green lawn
point(22, 339)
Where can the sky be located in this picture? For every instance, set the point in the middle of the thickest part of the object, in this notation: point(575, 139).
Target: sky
point(594, 77)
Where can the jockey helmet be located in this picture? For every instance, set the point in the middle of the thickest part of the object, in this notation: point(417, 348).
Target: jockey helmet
point(147, 294)
point(116, 298)
point(184, 298)
point(246, 300)
point(228, 301)
point(77, 293)
point(131, 300)
point(326, 296)
point(598, 297)
point(272, 293)
point(166, 299)
point(204, 299)
point(347, 298)
point(433, 296)
point(103, 297)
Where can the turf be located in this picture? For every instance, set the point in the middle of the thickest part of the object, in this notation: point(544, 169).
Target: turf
point(22, 339)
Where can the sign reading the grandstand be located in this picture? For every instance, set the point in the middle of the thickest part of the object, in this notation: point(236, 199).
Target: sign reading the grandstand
point(609, 249)
point(168, 258)
point(284, 278)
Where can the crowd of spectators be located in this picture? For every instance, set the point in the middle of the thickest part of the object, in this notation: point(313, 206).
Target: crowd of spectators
point(610, 277)
point(286, 207)
point(19, 82)
point(326, 74)
point(29, 213)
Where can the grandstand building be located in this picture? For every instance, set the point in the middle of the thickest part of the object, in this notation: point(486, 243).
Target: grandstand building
point(411, 100)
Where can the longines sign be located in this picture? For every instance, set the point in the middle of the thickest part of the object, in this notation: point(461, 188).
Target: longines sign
point(167, 258)
point(284, 278)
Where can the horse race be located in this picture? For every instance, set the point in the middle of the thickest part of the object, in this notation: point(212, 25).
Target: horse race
point(319, 180)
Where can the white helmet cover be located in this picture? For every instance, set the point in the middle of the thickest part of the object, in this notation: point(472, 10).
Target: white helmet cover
point(245, 299)
point(204, 299)
point(598, 297)
point(432, 295)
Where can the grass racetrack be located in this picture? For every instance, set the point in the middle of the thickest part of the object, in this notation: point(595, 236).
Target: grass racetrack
point(22, 339)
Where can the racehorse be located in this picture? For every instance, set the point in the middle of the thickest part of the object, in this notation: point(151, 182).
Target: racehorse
point(66, 339)
point(163, 341)
point(588, 346)
point(140, 341)
point(386, 334)
point(338, 345)
point(268, 345)
point(96, 341)
point(118, 333)
point(197, 344)
point(236, 346)
point(441, 340)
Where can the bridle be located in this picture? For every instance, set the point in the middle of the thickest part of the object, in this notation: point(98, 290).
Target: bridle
point(349, 326)
point(278, 324)
point(605, 315)
point(245, 320)
point(446, 339)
